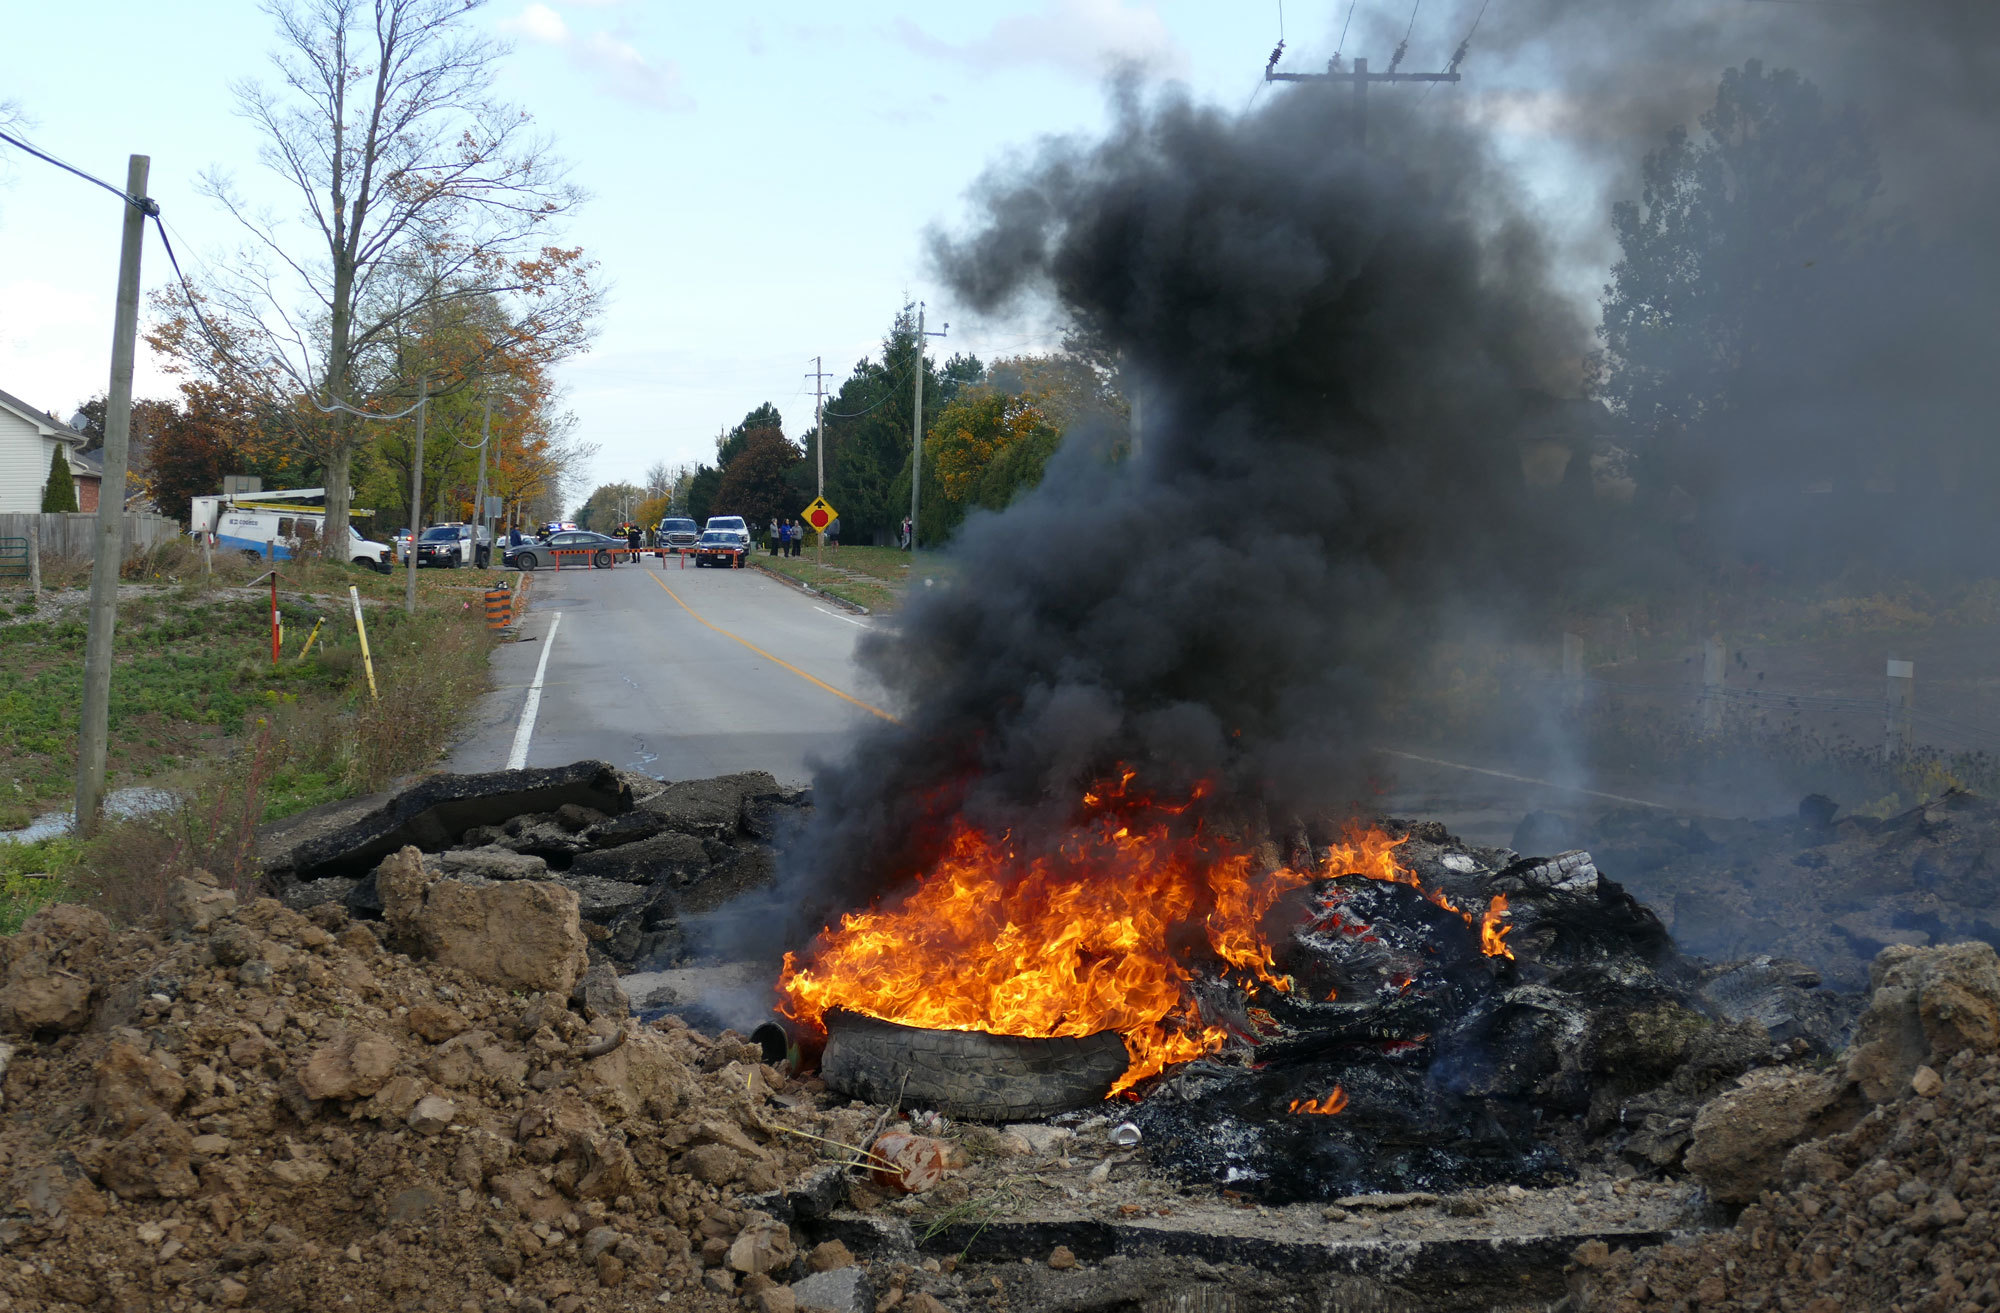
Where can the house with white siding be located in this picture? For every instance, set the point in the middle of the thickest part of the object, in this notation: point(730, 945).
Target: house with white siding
point(28, 442)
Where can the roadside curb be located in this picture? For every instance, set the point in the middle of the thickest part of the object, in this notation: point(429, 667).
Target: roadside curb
point(805, 587)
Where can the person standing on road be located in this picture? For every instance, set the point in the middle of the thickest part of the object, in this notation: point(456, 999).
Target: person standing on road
point(632, 539)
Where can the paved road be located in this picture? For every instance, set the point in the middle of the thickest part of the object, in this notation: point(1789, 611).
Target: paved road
point(679, 673)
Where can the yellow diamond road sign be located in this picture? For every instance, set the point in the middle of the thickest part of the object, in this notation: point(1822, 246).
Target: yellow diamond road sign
point(819, 515)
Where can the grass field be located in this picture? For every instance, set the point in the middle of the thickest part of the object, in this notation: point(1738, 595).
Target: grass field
point(199, 710)
point(874, 577)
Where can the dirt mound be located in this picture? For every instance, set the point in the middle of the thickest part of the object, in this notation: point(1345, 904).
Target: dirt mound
point(1895, 1212)
point(274, 1110)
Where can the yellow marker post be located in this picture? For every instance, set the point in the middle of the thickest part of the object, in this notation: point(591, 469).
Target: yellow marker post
point(310, 637)
point(367, 662)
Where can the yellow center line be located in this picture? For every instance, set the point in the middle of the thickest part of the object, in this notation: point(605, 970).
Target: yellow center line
point(810, 679)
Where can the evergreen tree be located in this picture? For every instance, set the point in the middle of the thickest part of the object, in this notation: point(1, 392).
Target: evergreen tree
point(1748, 257)
point(59, 495)
point(701, 493)
point(868, 425)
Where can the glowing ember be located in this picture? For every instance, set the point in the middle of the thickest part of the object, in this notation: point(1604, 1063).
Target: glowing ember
point(1104, 934)
point(1326, 1107)
point(1493, 935)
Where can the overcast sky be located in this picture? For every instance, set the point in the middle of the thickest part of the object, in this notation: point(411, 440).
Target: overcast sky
point(762, 175)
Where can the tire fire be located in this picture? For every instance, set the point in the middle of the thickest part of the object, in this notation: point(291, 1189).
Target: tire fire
point(1106, 930)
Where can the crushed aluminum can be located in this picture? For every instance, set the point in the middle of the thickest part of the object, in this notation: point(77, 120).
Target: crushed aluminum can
point(1124, 1135)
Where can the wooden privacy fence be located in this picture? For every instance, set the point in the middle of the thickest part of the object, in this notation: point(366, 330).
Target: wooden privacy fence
point(76, 535)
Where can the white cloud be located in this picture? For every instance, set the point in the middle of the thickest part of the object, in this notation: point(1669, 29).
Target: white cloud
point(621, 67)
point(1084, 37)
point(539, 23)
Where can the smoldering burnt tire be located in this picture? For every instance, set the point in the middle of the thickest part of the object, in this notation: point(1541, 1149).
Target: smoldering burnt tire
point(968, 1073)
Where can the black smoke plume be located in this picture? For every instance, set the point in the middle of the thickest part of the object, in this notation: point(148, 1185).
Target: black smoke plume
point(1329, 345)
point(1335, 348)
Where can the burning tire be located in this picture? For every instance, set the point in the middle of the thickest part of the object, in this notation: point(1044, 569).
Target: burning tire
point(968, 1073)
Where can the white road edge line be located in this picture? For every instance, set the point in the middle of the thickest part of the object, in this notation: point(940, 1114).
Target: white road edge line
point(523, 733)
point(838, 616)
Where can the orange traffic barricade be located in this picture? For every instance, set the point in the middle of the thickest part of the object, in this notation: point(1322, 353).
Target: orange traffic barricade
point(499, 608)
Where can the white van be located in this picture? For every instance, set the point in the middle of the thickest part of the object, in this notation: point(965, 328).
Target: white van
point(265, 525)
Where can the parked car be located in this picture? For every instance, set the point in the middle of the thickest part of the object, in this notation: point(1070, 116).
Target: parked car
point(726, 522)
point(451, 545)
point(676, 533)
point(529, 556)
point(723, 547)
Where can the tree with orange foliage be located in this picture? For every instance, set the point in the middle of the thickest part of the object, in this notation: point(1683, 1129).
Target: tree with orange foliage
point(995, 437)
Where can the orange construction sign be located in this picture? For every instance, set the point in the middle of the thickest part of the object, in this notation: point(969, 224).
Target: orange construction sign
point(819, 515)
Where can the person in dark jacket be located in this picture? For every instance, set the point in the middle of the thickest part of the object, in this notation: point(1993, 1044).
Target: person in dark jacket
point(632, 537)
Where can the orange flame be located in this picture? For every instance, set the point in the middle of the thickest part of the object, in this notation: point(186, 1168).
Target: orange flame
point(1493, 935)
point(1326, 1107)
point(1102, 934)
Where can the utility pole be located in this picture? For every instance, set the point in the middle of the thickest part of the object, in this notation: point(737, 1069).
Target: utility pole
point(416, 496)
point(917, 427)
point(819, 376)
point(1359, 79)
point(479, 498)
point(93, 734)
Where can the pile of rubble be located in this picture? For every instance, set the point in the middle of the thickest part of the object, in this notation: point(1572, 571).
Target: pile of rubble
point(1871, 1184)
point(640, 855)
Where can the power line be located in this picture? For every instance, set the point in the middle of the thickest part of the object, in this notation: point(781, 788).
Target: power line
point(1464, 48)
point(143, 203)
point(1341, 44)
point(886, 399)
point(1403, 46)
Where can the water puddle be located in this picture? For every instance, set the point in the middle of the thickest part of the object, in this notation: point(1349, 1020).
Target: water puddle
point(134, 801)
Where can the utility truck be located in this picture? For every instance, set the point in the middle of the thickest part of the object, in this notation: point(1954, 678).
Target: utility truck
point(274, 526)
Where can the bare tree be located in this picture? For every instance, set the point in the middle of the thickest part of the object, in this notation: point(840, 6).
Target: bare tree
point(415, 190)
